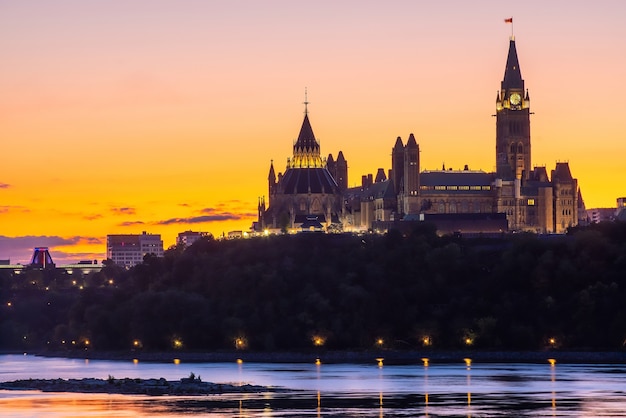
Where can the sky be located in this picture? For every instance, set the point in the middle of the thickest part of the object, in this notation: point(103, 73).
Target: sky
point(123, 116)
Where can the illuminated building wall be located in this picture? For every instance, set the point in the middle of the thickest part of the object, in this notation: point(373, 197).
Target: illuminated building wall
point(129, 250)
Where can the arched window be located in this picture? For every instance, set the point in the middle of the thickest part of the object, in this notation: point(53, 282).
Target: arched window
point(520, 149)
point(317, 207)
point(512, 148)
point(442, 207)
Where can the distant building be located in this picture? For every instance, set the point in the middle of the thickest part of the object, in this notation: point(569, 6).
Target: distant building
point(234, 234)
point(41, 258)
point(189, 237)
point(529, 198)
point(129, 250)
point(620, 214)
point(308, 190)
point(597, 215)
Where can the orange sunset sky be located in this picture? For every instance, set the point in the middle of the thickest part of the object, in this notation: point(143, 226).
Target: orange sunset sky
point(163, 116)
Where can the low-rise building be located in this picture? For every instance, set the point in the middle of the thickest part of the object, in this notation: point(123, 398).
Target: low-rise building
point(129, 250)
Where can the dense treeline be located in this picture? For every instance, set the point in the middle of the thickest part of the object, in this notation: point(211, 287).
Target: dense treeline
point(520, 291)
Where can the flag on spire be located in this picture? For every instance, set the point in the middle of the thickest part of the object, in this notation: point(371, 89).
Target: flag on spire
point(508, 20)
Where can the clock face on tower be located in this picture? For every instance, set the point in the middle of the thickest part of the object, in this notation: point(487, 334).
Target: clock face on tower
point(515, 99)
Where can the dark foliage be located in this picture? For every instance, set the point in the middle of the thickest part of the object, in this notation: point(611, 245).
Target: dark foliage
point(277, 293)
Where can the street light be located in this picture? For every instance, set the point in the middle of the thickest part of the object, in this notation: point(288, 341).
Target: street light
point(240, 343)
point(318, 340)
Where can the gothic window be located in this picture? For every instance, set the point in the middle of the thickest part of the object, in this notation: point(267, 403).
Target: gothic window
point(512, 148)
point(302, 205)
point(453, 207)
point(520, 149)
point(442, 207)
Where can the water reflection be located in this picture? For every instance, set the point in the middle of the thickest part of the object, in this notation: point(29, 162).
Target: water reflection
point(423, 389)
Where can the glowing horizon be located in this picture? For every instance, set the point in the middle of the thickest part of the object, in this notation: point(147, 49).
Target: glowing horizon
point(118, 118)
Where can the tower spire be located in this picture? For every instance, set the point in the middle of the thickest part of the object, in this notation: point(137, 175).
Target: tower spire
point(306, 103)
point(512, 74)
point(306, 150)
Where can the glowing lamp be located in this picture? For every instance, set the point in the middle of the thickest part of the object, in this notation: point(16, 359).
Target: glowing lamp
point(318, 341)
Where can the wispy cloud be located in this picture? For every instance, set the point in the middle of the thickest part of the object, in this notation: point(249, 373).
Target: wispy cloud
point(92, 217)
point(218, 212)
point(131, 223)
point(124, 211)
point(10, 208)
point(208, 215)
point(4, 186)
point(200, 219)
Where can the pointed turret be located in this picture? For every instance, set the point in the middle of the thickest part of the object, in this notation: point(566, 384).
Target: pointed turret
point(272, 174)
point(380, 176)
point(306, 138)
point(331, 165)
point(397, 164)
point(411, 167)
point(398, 145)
point(411, 142)
point(306, 150)
point(341, 175)
point(271, 180)
point(512, 73)
point(330, 160)
point(498, 101)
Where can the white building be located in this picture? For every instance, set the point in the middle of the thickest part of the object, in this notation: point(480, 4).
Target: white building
point(129, 250)
point(189, 237)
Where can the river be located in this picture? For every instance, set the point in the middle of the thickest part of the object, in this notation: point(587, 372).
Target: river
point(463, 389)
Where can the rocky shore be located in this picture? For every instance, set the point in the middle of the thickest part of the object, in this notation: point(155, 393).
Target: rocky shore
point(154, 387)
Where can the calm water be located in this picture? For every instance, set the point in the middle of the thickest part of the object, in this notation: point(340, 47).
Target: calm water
point(351, 390)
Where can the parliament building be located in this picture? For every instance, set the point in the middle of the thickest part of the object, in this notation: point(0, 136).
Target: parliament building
point(312, 193)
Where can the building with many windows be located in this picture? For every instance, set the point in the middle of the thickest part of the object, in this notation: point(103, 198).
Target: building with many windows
point(189, 237)
point(528, 197)
point(531, 199)
point(129, 250)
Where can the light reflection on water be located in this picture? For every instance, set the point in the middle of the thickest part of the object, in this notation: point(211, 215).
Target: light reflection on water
point(353, 390)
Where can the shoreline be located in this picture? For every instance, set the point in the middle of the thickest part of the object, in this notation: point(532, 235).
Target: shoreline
point(345, 356)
